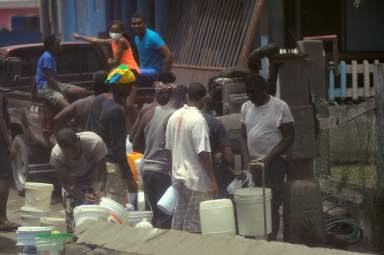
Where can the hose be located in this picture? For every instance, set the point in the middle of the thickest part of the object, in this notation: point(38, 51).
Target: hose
point(345, 228)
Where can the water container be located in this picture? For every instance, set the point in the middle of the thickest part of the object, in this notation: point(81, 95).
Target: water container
point(118, 213)
point(25, 236)
point(58, 223)
point(167, 202)
point(217, 217)
point(141, 201)
point(128, 145)
point(38, 195)
point(30, 216)
point(84, 213)
point(132, 157)
point(144, 224)
point(135, 217)
point(250, 212)
point(52, 244)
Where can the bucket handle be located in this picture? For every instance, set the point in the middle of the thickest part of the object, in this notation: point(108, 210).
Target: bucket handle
point(254, 164)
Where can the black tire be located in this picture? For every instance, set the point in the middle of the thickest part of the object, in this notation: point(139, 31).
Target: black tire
point(20, 162)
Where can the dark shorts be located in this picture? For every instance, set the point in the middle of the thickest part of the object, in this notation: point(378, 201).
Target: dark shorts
point(5, 161)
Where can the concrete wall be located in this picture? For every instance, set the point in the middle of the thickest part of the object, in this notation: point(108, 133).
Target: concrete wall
point(354, 142)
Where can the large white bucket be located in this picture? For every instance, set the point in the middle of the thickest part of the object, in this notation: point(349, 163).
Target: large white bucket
point(135, 217)
point(59, 224)
point(30, 216)
point(38, 195)
point(118, 213)
point(167, 202)
point(217, 217)
point(84, 213)
point(250, 212)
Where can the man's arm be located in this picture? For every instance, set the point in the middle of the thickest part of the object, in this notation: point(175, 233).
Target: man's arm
point(288, 132)
point(50, 76)
point(168, 58)
point(67, 183)
point(4, 132)
point(117, 132)
point(205, 160)
point(138, 144)
point(64, 116)
point(91, 39)
point(244, 146)
point(101, 177)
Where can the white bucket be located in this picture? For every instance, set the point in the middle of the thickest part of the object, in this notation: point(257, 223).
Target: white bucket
point(217, 217)
point(138, 168)
point(26, 236)
point(29, 220)
point(128, 145)
point(141, 201)
point(84, 213)
point(167, 202)
point(135, 217)
point(250, 212)
point(38, 195)
point(30, 216)
point(59, 224)
point(118, 212)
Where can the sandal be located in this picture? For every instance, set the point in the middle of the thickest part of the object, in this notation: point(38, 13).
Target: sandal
point(8, 226)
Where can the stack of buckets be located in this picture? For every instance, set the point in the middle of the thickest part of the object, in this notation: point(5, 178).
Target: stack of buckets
point(36, 207)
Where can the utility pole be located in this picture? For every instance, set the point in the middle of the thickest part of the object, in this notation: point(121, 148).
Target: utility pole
point(378, 203)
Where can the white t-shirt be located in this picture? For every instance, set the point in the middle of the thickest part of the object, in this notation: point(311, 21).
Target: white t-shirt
point(262, 123)
point(186, 137)
point(81, 170)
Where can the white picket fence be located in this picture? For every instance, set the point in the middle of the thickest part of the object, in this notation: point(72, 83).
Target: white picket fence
point(355, 80)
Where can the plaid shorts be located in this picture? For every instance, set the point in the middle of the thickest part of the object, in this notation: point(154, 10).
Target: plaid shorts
point(187, 215)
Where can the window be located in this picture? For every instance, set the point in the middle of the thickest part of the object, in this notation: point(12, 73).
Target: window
point(68, 61)
point(91, 61)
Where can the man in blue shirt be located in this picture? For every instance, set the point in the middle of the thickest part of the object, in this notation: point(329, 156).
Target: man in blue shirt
point(46, 76)
point(154, 55)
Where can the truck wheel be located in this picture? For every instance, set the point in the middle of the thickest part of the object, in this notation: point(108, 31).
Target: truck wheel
point(20, 162)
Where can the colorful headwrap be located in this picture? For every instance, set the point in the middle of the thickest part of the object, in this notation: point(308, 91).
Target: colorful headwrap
point(162, 86)
point(121, 75)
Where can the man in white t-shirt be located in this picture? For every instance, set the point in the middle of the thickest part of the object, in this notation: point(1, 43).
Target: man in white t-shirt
point(80, 166)
point(267, 131)
point(187, 139)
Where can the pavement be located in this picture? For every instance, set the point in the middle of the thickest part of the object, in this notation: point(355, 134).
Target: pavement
point(15, 202)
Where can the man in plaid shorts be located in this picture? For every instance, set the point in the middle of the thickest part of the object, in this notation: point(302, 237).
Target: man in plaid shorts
point(187, 140)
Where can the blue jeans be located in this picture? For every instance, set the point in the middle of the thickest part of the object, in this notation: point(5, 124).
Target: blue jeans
point(147, 77)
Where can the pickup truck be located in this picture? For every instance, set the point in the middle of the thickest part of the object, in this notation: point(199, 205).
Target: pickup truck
point(31, 115)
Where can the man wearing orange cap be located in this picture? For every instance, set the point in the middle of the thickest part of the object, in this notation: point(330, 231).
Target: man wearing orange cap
point(107, 119)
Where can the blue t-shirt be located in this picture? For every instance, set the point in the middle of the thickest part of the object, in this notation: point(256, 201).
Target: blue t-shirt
point(148, 48)
point(46, 61)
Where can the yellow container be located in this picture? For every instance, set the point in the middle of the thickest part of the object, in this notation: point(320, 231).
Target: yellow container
point(131, 162)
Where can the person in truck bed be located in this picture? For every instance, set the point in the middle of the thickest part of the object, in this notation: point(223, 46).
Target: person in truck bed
point(46, 76)
point(120, 44)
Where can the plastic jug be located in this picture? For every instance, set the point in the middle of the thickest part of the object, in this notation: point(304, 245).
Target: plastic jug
point(144, 224)
point(131, 162)
point(217, 217)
